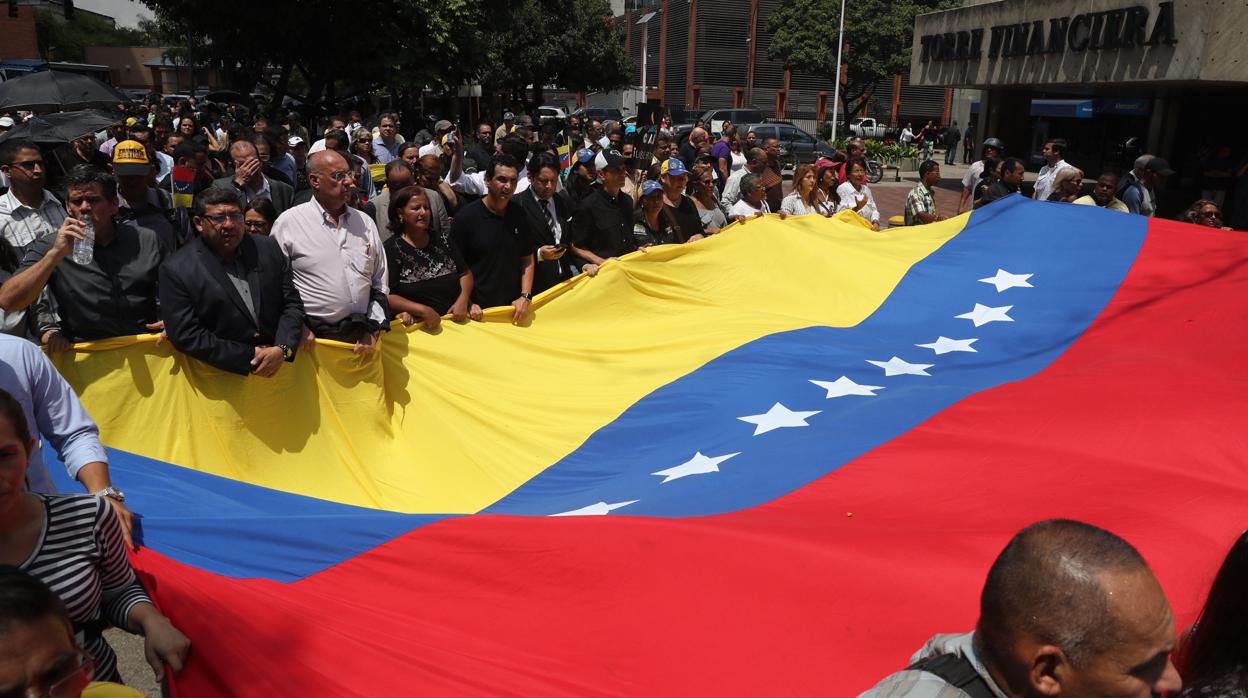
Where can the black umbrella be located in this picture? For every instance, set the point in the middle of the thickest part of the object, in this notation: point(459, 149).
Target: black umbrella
point(48, 90)
point(62, 127)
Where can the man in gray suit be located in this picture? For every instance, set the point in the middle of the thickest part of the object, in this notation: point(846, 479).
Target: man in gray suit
point(399, 175)
point(249, 180)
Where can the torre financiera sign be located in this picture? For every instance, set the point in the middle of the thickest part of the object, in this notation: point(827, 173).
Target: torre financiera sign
point(1126, 27)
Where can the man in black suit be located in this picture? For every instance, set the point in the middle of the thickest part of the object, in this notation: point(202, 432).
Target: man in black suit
point(228, 298)
point(550, 221)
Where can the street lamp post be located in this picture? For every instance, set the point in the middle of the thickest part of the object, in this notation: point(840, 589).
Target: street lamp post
point(836, 82)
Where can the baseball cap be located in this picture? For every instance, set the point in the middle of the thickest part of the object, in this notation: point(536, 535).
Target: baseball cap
point(442, 125)
point(1160, 166)
point(130, 158)
point(673, 166)
point(650, 186)
point(6, 122)
point(131, 121)
point(508, 116)
point(584, 155)
point(294, 141)
point(609, 158)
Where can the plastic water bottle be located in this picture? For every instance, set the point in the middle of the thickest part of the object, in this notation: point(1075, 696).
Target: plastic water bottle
point(84, 250)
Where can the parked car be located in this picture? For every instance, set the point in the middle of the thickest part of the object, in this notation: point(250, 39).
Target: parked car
point(545, 114)
point(600, 113)
point(798, 147)
point(867, 127)
point(715, 118)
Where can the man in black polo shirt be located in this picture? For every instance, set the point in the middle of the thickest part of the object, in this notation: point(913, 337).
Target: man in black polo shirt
point(495, 240)
point(113, 294)
point(603, 226)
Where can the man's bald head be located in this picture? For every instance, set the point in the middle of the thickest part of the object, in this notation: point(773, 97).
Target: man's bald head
point(1048, 586)
point(241, 150)
point(326, 162)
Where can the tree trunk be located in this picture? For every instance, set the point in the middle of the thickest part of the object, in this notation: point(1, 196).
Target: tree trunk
point(538, 97)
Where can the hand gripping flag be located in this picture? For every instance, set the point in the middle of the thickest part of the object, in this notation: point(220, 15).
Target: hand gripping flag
point(768, 463)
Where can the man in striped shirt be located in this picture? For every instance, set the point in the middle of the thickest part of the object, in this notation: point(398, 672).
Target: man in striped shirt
point(28, 212)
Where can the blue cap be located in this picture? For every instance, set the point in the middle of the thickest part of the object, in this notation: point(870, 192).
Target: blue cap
point(673, 166)
point(585, 155)
point(650, 186)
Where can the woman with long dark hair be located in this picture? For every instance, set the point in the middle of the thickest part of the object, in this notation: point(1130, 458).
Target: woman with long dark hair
point(1213, 658)
point(428, 276)
point(827, 175)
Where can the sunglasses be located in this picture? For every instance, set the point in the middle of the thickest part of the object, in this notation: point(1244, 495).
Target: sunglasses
point(29, 165)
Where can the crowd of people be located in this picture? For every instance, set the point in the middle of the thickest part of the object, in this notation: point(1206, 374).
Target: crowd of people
point(292, 236)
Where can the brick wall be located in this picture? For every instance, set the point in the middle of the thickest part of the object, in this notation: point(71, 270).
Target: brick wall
point(17, 35)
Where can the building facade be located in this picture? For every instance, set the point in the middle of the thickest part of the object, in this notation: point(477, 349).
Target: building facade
point(701, 54)
point(1115, 78)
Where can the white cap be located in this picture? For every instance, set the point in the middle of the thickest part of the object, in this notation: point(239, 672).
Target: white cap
point(294, 141)
point(6, 122)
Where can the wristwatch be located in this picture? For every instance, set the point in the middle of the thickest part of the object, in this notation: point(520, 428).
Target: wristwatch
point(112, 492)
point(527, 295)
point(287, 352)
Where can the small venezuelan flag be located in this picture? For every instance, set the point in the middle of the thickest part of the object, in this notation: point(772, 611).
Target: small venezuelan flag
point(183, 187)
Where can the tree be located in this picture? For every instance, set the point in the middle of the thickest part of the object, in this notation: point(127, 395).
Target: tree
point(582, 51)
point(400, 45)
point(63, 39)
point(878, 34)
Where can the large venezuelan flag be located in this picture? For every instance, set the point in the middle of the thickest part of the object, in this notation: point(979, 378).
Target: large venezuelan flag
point(784, 457)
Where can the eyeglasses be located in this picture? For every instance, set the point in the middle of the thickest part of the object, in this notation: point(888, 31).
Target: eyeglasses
point(220, 220)
point(259, 225)
point(68, 677)
point(1209, 215)
point(339, 176)
point(30, 165)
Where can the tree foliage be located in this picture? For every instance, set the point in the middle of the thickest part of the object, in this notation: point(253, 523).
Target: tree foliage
point(403, 46)
point(878, 35)
point(582, 51)
point(64, 39)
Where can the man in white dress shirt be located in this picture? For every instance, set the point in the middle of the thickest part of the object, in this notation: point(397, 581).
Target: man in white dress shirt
point(337, 259)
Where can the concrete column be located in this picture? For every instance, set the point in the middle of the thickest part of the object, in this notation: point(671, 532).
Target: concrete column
point(691, 54)
point(662, 50)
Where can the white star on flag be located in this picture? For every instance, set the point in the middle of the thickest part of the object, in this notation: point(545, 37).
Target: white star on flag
point(598, 509)
point(898, 367)
point(844, 386)
point(698, 465)
point(777, 417)
point(1005, 280)
point(944, 345)
point(982, 314)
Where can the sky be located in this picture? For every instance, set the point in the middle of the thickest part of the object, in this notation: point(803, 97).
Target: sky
point(126, 12)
